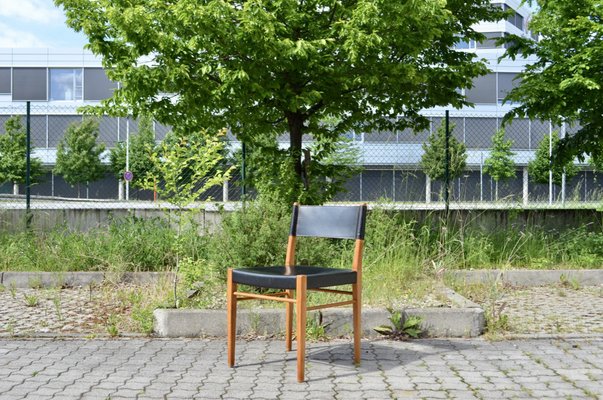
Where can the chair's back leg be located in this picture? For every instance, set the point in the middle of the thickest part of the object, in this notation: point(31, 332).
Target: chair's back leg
point(231, 310)
point(300, 302)
point(289, 322)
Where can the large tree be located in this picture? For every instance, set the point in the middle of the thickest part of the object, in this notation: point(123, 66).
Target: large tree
point(265, 67)
point(565, 84)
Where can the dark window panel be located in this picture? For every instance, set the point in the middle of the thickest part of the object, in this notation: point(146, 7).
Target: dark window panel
point(410, 136)
point(459, 128)
point(484, 90)
point(436, 123)
point(38, 130)
point(124, 125)
point(97, 86)
point(490, 41)
point(538, 131)
point(351, 190)
point(506, 82)
point(108, 131)
point(380, 136)
point(409, 185)
point(479, 132)
point(57, 125)
point(518, 130)
point(377, 184)
point(29, 84)
point(518, 21)
point(456, 126)
point(4, 80)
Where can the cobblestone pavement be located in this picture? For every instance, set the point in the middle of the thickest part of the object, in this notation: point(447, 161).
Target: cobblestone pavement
point(82, 310)
point(554, 309)
point(189, 369)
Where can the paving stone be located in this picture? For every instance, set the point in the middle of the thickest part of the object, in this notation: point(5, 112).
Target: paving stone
point(276, 378)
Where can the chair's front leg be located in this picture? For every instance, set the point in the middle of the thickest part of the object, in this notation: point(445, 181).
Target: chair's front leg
point(231, 311)
point(300, 303)
point(357, 323)
point(289, 321)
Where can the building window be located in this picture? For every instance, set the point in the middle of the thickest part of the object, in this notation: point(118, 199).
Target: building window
point(506, 82)
point(483, 90)
point(464, 44)
point(98, 85)
point(65, 84)
point(29, 84)
point(5, 83)
point(490, 40)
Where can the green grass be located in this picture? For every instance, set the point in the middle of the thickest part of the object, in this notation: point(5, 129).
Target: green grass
point(400, 255)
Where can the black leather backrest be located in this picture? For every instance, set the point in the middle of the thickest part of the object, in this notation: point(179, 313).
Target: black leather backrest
point(339, 222)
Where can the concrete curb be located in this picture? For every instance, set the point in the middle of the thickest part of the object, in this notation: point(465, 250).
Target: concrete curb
point(529, 277)
point(72, 279)
point(468, 321)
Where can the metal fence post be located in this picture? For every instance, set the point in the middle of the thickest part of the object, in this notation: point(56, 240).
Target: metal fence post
point(447, 170)
point(243, 183)
point(550, 166)
point(28, 216)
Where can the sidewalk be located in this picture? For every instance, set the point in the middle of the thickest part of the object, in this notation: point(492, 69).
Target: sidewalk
point(196, 369)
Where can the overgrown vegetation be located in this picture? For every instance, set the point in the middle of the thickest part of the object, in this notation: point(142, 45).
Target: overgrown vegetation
point(399, 253)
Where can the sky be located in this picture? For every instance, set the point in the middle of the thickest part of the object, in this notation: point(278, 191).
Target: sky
point(36, 23)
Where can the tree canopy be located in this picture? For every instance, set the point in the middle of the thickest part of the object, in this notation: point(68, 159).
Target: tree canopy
point(263, 68)
point(499, 164)
point(539, 167)
point(141, 145)
point(13, 152)
point(565, 84)
point(433, 160)
point(78, 153)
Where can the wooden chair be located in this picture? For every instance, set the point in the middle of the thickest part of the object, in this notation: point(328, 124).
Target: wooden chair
point(340, 222)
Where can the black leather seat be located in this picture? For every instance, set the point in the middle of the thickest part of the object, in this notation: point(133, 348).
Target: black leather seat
point(285, 278)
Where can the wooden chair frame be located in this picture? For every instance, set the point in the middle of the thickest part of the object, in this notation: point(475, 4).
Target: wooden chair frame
point(298, 298)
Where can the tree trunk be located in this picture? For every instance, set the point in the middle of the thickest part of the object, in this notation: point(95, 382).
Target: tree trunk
point(15, 188)
point(296, 123)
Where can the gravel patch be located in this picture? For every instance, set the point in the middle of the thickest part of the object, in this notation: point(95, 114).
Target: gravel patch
point(55, 311)
point(554, 309)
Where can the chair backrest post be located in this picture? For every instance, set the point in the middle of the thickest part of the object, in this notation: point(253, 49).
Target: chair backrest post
point(358, 250)
point(290, 258)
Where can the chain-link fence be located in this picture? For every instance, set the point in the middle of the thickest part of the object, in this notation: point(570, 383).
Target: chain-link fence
point(394, 169)
point(391, 165)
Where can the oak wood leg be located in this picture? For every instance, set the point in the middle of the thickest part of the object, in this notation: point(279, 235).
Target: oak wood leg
point(231, 310)
point(357, 312)
point(289, 322)
point(300, 303)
